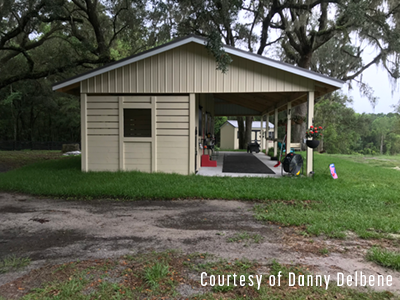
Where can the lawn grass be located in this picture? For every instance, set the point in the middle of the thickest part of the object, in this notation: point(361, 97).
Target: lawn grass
point(364, 199)
point(384, 258)
point(154, 274)
point(15, 159)
point(246, 238)
point(13, 263)
point(126, 278)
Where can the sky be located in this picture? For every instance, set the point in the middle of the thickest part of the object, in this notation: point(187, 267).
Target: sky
point(377, 78)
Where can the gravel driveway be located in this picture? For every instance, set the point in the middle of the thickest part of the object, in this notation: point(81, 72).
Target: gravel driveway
point(53, 231)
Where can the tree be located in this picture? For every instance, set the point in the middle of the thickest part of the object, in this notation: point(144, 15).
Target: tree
point(307, 26)
point(341, 133)
point(218, 122)
point(84, 32)
point(382, 126)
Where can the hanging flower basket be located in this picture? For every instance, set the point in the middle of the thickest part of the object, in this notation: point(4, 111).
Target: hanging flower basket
point(312, 143)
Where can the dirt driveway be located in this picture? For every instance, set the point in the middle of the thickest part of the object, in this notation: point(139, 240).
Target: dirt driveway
point(51, 231)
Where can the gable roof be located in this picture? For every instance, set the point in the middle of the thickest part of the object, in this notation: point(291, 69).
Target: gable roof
point(254, 124)
point(199, 40)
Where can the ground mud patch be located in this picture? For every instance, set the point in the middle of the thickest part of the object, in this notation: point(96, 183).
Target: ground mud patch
point(14, 209)
point(20, 243)
point(211, 220)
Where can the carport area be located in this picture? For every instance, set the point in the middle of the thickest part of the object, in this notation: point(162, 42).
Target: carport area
point(267, 106)
point(153, 111)
point(261, 157)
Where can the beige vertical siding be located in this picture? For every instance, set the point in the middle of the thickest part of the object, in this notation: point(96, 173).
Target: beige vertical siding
point(102, 133)
point(172, 132)
point(189, 69)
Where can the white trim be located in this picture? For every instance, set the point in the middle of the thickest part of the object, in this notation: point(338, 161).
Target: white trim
point(247, 55)
point(310, 120)
point(84, 136)
point(154, 134)
point(121, 134)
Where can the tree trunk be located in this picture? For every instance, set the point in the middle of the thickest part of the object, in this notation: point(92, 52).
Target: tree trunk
point(299, 130)
point(241, 132)
point(381, 148)
point(244, 131)
point(249, 123)
point(321, 144)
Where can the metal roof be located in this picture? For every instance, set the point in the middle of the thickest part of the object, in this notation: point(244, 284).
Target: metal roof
point(199, 40)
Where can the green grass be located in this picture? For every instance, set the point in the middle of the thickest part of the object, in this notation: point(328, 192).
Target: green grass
point(127, 280)
point(324, 251)
point(384, 258)
point(246, 238)
point(155, 273)
point(364, 199)
point(13, 263)
point(23, 157)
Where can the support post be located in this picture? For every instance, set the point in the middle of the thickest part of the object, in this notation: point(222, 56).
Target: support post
point(289, 128)
point(276, 133)
point(266, 132)
point(154, 134)
point(84, 136)
point(192, 133)
point(310, 121)
point(261, 133)
point(121, 134)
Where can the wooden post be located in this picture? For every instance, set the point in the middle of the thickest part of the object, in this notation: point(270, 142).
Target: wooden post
point(266, 132)
point(261, 132)
point(289, 127)
point(153, 134)
point(276, 133)
point(310, 120)
point(121, 133)
point(192, 137)
point(84, 136)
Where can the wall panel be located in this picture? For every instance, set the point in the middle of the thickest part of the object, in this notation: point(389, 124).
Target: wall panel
point(102, 130)
point(172, 131)
point(137, 156)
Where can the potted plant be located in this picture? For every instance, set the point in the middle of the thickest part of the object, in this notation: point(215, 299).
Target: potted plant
point(314, 133)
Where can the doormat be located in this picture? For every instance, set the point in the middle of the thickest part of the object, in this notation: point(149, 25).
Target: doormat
point(244, 163)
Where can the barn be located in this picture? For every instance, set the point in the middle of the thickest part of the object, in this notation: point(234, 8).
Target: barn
point(150, 112)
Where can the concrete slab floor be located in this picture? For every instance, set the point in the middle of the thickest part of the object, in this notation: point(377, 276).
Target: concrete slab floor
point(217, 171)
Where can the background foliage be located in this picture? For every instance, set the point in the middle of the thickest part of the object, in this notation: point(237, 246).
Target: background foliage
point(46, 41)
